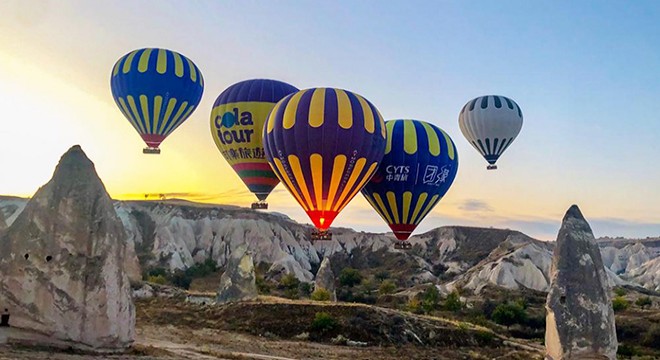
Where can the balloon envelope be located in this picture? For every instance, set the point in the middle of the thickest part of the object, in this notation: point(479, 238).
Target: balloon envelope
point(156, 90)
point(419, 166)
point(237, 122)
point(324, 144)
point(490, 124)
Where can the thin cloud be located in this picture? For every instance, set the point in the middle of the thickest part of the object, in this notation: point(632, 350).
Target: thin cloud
point(473, 205)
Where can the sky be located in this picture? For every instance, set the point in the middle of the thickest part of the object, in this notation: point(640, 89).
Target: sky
point(586, 75)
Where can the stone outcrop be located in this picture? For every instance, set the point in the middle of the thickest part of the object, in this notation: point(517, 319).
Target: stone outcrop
point(580, 319)
point(238, 282)
point(3, 224)
point(61, 263)
point(325, 279)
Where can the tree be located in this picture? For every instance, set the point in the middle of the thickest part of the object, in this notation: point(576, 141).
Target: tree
point(386, 287)
point(453, 302)
point(643, 302)
point(349, 277)
point(431, 298)
point(382, 275)
point(508, 314)
point(290, 284)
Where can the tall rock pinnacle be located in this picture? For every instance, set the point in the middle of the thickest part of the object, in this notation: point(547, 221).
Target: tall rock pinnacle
point(580, 319)
point(62, 262)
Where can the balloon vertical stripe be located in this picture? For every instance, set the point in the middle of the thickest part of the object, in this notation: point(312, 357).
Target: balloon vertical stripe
point(178, 65)
point(407, 199)
point(359, 186)
point(337, 171)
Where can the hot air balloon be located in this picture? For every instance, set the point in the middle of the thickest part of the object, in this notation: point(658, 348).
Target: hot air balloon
point(419, 166)
point(237, 123)
point(156, 90)
point(490, 124)
point(324, 144)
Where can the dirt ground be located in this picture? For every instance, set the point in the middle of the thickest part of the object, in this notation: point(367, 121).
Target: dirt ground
point(174, 330)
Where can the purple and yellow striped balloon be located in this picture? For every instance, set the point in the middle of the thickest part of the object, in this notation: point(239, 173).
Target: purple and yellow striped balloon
point(324, 144)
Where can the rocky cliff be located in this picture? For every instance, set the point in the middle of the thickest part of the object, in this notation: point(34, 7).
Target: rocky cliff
point(176, 234)
point(62, 260)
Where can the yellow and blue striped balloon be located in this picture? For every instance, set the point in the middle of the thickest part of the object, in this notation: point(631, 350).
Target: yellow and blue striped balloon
point(324, 144)
point(419, 166)
point(156, 90)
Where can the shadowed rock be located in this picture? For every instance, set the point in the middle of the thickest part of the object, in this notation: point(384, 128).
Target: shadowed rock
point(3, 224)
point(238, 282)
point(580, 319)
point(325, 279)
point(61, 263)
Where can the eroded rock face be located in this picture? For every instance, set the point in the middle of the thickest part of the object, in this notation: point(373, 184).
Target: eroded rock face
point(580, 319)
point(61, 263)
point(238, 282)
point(3, 224)
point(325, 279)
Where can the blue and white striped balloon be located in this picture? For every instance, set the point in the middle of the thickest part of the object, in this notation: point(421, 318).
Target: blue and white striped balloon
point(491, 123)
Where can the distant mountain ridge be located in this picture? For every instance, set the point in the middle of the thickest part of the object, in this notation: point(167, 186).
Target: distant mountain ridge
point(177, 234)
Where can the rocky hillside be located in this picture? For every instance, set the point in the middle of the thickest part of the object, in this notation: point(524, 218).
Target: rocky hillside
point(177, 234)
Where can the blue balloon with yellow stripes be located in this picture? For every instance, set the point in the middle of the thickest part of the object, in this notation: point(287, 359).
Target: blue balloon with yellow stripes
point(419, 166)
point(156, 90)
point(324, 144)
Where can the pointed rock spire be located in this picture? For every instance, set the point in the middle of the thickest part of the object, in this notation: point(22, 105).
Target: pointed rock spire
point(238, 282)
point(580, 319)
point(325, 279)
point(62, 262)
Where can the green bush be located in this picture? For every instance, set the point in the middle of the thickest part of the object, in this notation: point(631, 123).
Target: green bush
point(321, 294)
point(619, 304)
point(305, 289)
point(263, 286)
point(382, 275)
point(289, 281)
point(620, 291)
point(508, 314)
point(431, 298)
point(386, 287)
point(414, 306)
point(453, 302)
point(323, 322)
point(158, 279)
point(627, 350)
point(644, 301)
point(181, 279)
point(350, 277)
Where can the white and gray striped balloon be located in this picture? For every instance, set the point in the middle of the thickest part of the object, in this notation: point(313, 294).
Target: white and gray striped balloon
point(491, 123)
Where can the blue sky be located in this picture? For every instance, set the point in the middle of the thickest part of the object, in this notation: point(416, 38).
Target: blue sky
point(586, 75)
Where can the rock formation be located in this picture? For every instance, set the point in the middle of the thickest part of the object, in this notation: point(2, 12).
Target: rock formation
point(238, 282)
point(580, 319)
point(325, 279)
point(61, 263)
point(3, 224)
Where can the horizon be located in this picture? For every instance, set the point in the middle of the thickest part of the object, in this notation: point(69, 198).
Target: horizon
point(173, 201)
point(586, 76)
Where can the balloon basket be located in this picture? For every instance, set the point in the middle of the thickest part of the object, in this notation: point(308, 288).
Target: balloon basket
point(402, 245)
point(491, 167)
point(260, 205)
point(150, 150)
point(321, 235)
